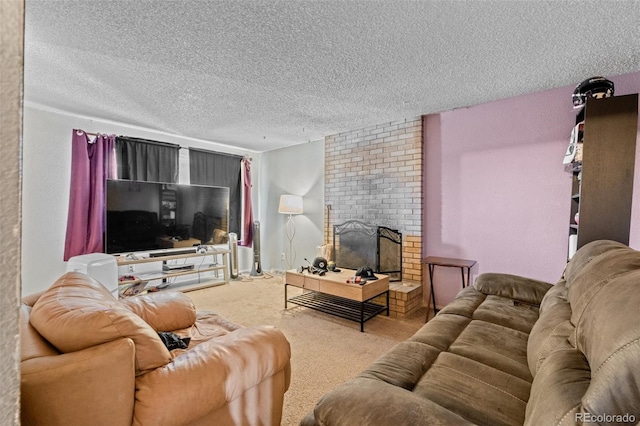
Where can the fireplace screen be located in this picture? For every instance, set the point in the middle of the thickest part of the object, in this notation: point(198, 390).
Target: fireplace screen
point(357, 244)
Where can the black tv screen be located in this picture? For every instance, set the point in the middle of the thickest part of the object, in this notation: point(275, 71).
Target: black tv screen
point(144, 216)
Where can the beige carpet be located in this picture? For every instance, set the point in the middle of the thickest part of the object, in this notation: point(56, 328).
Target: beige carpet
point(325, 350)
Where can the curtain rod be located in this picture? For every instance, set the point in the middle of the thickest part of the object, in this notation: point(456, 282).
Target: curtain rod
point(243, 157)
point(148, 141)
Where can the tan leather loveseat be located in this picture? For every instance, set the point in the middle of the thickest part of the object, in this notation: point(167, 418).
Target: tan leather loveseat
point(513, 351)
point(89, 359)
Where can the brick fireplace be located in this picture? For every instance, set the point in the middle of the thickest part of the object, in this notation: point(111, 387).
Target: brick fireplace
point(374, 175)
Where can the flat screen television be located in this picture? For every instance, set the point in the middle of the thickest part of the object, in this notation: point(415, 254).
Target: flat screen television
point(144, 216)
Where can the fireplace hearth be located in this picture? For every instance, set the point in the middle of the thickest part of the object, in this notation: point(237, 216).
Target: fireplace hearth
point(357, 244)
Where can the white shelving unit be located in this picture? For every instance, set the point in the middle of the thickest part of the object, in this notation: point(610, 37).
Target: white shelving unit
point(205, 273)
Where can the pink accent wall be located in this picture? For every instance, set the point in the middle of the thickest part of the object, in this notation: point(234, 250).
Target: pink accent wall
point(495, 189)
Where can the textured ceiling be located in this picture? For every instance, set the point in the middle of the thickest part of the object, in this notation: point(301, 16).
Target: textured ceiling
point(260, 75)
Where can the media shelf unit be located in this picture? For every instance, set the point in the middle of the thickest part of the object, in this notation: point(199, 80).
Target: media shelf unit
point(155, 273)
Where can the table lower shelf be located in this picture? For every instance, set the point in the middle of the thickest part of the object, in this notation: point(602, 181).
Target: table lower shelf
point(339, 306)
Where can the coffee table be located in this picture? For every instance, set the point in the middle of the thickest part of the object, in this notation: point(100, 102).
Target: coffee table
point(331, 294)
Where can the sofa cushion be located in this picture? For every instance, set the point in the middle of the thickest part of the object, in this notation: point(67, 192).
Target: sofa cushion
point(587, 253)
point(557, 389)
point(551, 332)
point(164, 311)
point(556, 294)
point(585, 347)
point(602, 270)
point(77, 312)
point(32, 345)
point(404, 365)
point(608, 334)
point(511, 286)
point(443, 330)
point(368, 402)
point(494, 345)
point(508, 313)
point(478, 393)
point(202, 379)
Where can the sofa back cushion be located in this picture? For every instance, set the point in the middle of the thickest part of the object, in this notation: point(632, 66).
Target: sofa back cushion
point(164, 311)
point(32, 344)
point(604, 308)
point(584, 349)
point(77, 312)
point(561, 373)
point(558, 388)
point(596, 275)
point(550, 333)
point(587, 253)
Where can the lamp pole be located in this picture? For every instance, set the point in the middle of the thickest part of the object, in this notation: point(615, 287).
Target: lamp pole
point(290, 232)
point(290, 205)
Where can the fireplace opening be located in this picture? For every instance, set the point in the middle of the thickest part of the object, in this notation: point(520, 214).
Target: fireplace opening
point(357, 244)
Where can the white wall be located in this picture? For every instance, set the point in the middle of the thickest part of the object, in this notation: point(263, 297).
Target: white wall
point(298, 170)
point(46, 173)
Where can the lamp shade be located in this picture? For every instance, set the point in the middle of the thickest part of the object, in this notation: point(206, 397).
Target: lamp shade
point(290, 204)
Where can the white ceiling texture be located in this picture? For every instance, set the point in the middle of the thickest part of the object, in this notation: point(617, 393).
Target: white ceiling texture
point(261, 75)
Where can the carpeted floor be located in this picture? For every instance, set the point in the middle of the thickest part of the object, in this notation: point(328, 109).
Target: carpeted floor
point(325, 350)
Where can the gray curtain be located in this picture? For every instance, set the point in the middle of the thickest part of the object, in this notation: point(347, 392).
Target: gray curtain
point(213, 168)
point(146, 160)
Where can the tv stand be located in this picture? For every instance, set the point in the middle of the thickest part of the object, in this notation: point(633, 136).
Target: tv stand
point(159, 271)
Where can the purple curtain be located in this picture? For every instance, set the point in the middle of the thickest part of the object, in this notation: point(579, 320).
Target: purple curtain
point(247, 220)
point(92, 163)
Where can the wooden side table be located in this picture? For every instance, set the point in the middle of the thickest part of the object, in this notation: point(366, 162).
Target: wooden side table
point(433, 261)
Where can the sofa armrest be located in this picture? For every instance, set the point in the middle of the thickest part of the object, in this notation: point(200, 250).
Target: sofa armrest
point(163, 311)
point(31, 299)
point(211, 374)
point(522, 289)
point(371, 402)
point(93, 386)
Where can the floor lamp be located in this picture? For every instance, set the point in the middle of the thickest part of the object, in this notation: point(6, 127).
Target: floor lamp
point(290, 204)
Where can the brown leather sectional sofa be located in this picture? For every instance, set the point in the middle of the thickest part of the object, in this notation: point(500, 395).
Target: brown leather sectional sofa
point(511, 351)
point(89, 359)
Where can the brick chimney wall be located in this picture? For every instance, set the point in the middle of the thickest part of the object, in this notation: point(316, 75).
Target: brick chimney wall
point(375, 175)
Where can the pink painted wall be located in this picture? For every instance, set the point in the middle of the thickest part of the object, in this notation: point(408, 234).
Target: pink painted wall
point(495, 186)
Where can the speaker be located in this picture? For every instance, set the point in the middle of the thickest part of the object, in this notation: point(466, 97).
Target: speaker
point(233, 247)
point(256, 268)
point(183, 232)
